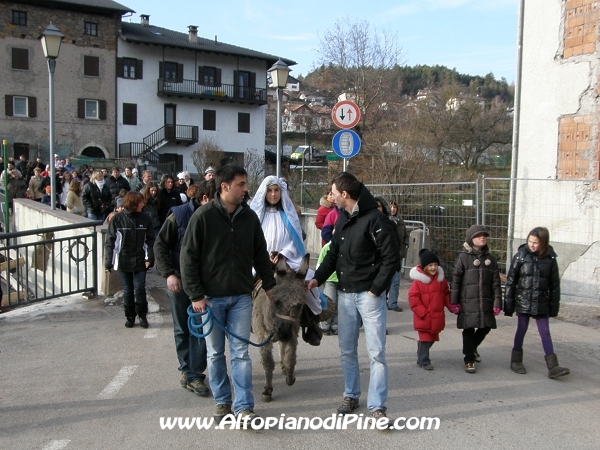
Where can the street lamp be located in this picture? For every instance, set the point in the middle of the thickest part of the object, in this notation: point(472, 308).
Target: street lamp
point(51, 40)
point(279, 74)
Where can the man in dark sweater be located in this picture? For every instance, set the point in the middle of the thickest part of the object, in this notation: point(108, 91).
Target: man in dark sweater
point(191, 351)
point(222, 243)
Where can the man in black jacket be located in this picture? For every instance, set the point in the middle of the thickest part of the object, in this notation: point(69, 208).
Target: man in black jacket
point(364, 253)
point(191, 351)
point(222, 243)
point(115, 183)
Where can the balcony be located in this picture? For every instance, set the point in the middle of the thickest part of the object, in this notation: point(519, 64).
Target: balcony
point(223, 93)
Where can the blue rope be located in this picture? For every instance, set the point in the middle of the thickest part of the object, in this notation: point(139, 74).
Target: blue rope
point(196, 329)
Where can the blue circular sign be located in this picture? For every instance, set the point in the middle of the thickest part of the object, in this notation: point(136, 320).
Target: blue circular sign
point(346, 143)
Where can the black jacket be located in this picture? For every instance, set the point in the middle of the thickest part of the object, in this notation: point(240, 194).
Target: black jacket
point(95, 201)
point(115, 186)
point(476, 287)
point(363, 251)
point(130, 242)
point(532, 284)
point(167, 201)
point(218, 252)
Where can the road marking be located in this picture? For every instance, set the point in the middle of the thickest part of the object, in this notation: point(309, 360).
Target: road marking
point(154, 318)
point(117, 382)
point(57, 445)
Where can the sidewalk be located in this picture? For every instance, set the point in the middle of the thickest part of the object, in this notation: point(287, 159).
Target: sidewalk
point(72, 376)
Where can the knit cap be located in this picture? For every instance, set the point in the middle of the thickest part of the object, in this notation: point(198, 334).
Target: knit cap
point(119, 202)
point(427, 257)
point(474, 231)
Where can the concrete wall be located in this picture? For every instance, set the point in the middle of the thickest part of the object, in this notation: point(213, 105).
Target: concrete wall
point(559, 136)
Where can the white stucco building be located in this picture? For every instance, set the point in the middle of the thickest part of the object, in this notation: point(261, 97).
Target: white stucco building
point(175, 90)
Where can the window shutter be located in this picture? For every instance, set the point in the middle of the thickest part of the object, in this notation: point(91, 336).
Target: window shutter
point(218, 78)
point(179, 73)
point(252, 79)
point(120, 71)
point(8, 105)
point(81, 108)
point(236, 83)
point(20, 58)
point(32, 106)
point(139, 69)
point(200, 74)
point(102, 109)
point(161, 70)
point(91, 66)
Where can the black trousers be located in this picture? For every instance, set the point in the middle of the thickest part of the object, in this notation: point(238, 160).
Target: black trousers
point(471, 339)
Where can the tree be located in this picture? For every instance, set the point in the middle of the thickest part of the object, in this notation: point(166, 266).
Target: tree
point(208, 153)
point(358, 58)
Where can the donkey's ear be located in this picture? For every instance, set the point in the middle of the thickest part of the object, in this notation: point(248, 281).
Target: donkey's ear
point(304, 265)
point(281, 266)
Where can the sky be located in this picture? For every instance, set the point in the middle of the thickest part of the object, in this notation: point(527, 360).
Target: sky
point(475, 37)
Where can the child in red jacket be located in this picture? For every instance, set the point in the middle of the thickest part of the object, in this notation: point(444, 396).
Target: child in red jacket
point(427, 296)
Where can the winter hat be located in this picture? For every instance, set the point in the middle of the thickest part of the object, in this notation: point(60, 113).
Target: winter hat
point(134, 170)
point(119, 202)
point(427, 257)
point(209, 170)
point(474, 231)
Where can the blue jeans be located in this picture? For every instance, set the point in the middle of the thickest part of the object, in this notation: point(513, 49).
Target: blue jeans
point(96, 216)
point(191, 351)
point(373, 311)
point(394, 291)
point(236, 314)
point(134, 293)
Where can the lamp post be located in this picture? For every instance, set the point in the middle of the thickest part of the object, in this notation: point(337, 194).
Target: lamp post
point(279, 74)
point(51, 39)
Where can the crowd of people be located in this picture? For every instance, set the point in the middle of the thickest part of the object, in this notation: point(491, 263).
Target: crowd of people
point(211, 243)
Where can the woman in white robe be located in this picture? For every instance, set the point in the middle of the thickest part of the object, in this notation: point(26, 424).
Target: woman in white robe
point(281, 226)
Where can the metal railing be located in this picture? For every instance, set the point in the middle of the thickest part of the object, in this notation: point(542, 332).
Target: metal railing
point(223, 92)
point(50, 267)
point(169, 133)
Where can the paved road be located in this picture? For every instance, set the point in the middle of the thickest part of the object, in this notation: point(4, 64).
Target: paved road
point(72, 376)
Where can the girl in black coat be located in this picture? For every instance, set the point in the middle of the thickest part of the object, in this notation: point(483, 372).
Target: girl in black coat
point(533, 290)
point(130, 250)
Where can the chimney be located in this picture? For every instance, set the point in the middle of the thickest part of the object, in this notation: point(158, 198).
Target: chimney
point(145, 20)
point(193, 34)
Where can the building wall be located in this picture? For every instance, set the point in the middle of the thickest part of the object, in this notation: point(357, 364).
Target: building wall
point(72, 134)
point(559, 134)
point(150, 117)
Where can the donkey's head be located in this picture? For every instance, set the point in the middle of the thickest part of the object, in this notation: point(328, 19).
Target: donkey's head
point(289, 297)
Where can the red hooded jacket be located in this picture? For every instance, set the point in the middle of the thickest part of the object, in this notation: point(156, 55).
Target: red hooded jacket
point(427, 297)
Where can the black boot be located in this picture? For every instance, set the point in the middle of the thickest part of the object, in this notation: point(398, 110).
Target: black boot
point(516, 362)
point(141, 311)
point(554, 370)
point(129, 316)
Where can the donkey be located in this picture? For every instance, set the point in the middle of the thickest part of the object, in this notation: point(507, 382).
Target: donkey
point(282, 317)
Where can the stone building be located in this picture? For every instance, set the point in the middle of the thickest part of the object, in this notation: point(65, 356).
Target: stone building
point(84, 80)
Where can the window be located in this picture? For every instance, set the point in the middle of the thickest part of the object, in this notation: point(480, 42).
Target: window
point(20, 106)
point(244, 84)
point(130, 68)
point(209, 119)
point(20, 58)
point(91, 66)
point(243, 123)
point(19, 18)
point(91, 109)
point(171, 71)
point(91, 28)
point(209, 76)
point(129, 114)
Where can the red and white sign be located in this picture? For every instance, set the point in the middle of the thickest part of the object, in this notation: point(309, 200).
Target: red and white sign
point(345, 114)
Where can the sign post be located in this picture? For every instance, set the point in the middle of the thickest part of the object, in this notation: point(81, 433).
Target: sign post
point(346, 143)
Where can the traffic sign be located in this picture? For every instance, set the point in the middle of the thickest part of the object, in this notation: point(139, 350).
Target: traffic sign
point(345, 114)
point(346, 143)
